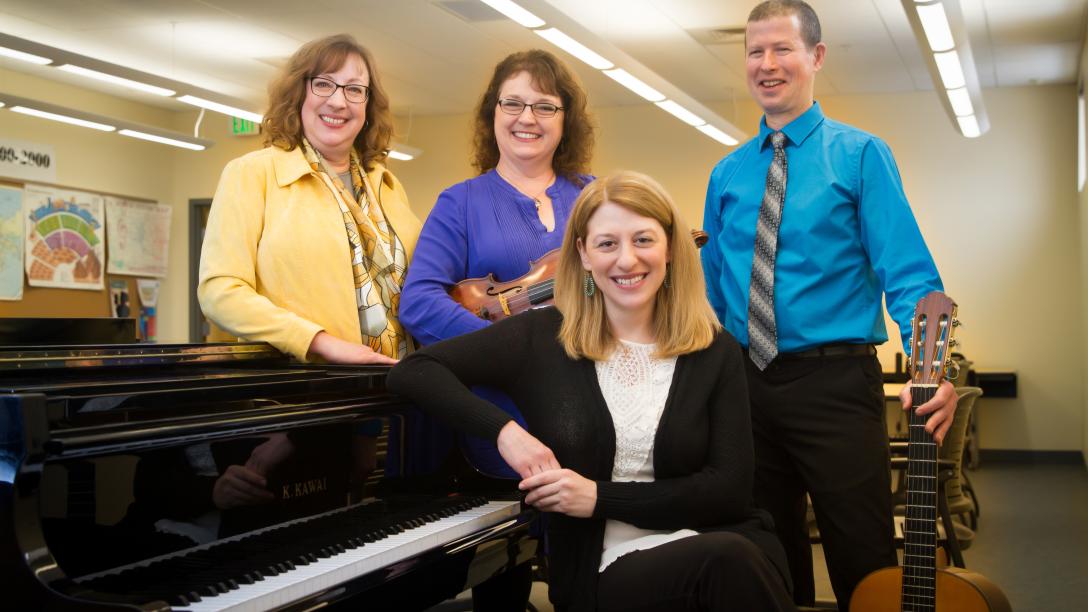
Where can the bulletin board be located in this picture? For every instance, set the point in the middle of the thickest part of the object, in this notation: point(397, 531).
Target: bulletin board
point(69, 303)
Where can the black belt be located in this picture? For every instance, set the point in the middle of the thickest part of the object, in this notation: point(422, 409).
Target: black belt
point(831, 350)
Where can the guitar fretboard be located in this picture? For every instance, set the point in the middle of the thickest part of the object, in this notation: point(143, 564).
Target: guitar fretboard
point(919, 591)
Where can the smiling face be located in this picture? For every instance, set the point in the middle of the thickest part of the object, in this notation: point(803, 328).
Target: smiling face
point(331, 124)
point(780, 68)
point(627, 255)
point(526, 139)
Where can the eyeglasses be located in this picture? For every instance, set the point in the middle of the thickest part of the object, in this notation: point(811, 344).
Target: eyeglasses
point(320, 86)
point(510, 106)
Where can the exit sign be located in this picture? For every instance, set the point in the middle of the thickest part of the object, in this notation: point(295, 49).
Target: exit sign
point(244, 127)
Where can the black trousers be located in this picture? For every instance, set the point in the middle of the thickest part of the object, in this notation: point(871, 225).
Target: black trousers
point(820, 429)
point(710, 571)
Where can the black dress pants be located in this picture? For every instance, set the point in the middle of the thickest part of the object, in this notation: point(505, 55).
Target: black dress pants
point(719, 571)
point(820, 429)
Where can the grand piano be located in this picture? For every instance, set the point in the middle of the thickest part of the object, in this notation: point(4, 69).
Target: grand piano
point(225, 477)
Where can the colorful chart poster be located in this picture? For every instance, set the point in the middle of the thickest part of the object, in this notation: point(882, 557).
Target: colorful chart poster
point(137, 237)
point(64, 246)
point(11, 243)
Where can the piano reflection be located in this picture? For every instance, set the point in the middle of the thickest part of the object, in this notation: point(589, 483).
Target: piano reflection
point(224, 477)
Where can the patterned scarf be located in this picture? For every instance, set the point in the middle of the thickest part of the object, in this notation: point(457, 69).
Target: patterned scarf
point(378, 260)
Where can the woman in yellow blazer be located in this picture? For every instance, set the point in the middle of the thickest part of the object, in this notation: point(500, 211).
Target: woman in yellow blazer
point(309, 238)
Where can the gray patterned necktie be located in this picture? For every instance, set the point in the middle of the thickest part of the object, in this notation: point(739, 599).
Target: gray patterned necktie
point(762, 330)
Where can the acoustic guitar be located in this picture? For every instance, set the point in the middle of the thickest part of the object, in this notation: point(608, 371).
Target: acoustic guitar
point(919, 585)
point(492, 300)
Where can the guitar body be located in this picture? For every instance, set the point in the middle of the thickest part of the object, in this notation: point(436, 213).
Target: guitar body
point(958, 590)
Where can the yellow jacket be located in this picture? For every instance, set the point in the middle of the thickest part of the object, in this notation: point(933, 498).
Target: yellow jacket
point(275, 265)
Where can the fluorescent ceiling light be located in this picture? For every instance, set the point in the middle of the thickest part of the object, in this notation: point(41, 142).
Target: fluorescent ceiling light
point(404, 152)
point(961, 102)
point(162, 139)
point(717, 134)
point(220, 108)
point(681, 113)
point(26, 57)
point(575, 48)
point(948, 65)
point(515, 12)
point(63, 118)
point(624, 78)
point(969, 126)
point(935, 23)
point(116, 80)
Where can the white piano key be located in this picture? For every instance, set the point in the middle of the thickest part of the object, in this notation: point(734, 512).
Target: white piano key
point(306, 580)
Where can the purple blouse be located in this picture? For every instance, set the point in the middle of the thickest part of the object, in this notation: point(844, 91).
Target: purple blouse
point(480, 226)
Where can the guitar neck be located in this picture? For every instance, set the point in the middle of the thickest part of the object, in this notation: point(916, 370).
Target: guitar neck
point(919, 591)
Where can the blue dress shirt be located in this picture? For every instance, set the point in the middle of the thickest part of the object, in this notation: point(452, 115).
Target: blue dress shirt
point(847, 238)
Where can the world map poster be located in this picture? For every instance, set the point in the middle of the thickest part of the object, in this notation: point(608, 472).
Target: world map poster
point(138, 237)
point(11, 244)
point(64, 238)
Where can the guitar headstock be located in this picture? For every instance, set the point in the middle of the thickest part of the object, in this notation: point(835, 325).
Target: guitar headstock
point(931, 337)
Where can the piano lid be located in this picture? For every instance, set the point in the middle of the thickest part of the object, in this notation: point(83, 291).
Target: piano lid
point(29, 331)
point(16, 358)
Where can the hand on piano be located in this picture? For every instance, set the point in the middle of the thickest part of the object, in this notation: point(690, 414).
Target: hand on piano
point(334, 350)
point(523, 452)
point(240, 486)
point(563, 491)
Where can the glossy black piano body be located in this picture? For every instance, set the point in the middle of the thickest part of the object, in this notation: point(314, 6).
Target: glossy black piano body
point(121, 485)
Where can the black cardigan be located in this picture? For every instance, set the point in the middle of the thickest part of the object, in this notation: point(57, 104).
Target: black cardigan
point(703, 461)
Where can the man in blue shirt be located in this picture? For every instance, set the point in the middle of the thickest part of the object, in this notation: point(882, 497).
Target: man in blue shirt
point(809, 229)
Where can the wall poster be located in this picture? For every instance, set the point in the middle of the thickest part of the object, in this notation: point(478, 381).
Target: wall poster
point(64, 238)
point(137, 237)
point(11, 243)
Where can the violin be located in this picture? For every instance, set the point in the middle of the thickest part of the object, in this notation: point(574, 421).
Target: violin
point(492, 300)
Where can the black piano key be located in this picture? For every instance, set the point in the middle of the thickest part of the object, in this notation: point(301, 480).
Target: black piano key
point(223, 567)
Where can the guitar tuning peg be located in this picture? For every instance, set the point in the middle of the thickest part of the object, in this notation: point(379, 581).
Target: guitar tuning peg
point(956, 323)
point(953, 342)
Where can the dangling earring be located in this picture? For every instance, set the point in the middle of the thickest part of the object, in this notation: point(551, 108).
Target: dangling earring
point(668, 276)
point(589, 286)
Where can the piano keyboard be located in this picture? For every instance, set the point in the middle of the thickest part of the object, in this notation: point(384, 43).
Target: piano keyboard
point(234, 582)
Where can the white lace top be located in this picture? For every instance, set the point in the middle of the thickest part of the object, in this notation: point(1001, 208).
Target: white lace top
point(635, 386)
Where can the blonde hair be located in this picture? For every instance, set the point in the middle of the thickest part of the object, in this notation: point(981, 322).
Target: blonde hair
point(683, 321)
point(283, 124)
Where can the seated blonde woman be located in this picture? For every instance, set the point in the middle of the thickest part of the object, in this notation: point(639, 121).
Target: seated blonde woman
point(639, 440)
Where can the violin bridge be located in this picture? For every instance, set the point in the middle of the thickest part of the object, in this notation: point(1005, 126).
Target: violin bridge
point(504, 304)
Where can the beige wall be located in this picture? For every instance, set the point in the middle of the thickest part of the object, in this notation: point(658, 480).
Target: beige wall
point(997, 212)
point(1082, 210)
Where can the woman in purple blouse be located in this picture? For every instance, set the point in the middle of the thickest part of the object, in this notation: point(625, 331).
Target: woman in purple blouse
point(533, 144)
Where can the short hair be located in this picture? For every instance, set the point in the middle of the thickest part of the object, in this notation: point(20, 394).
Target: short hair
point(287, 92)
point(683, 318)
point(810, 23)
point(553, 77)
